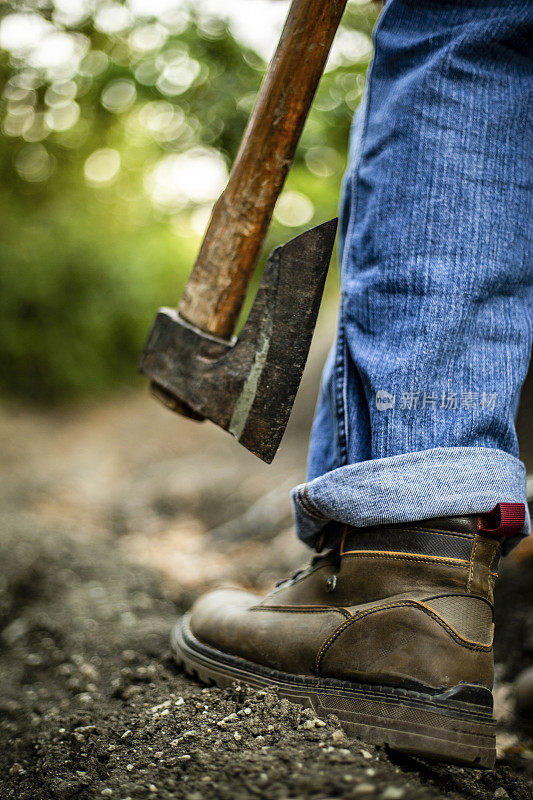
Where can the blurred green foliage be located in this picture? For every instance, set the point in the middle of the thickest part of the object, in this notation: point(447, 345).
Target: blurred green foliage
point(111, 155)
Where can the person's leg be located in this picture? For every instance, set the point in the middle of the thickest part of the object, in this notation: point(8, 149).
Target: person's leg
point(417, 405)
point(413, 442)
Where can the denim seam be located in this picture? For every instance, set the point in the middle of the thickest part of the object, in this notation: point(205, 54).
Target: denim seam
point(308, 506)
point(356, 156)
point(340, 386)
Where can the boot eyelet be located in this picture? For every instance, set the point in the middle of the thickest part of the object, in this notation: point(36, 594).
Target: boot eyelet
point(331, 583)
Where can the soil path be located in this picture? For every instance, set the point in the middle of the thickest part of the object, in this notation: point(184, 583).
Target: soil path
point(112, 519)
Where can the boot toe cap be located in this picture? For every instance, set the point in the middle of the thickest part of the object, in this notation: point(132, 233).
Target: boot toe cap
point(216, 617)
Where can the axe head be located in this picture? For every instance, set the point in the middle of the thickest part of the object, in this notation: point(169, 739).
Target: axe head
point(247, 386)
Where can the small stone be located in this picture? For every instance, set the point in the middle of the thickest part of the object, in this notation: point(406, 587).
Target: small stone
point(237, 736)
point(81, 733)
point(107, 792)
point(126, 734)
point(129, 655)
point(160, 707)
point(230, 718)
point(365, 788)
point(247, 711)
point(130, 767)
point(15, 630)
point(88, 671)
point(152, 788)
point(393, 793)
point(500, 793)
point(370, 772)
point(179, 702)
point(366, 754)
point(338, 736)
point(313, 723)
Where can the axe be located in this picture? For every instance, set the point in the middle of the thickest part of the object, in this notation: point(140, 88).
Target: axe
point(196, 367)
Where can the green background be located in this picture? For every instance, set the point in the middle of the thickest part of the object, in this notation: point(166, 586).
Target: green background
point(84, 264)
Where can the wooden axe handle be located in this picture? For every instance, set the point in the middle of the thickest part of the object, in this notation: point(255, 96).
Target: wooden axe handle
point(217, 286)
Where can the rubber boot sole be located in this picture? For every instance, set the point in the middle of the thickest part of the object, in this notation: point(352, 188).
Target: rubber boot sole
point(454, 726)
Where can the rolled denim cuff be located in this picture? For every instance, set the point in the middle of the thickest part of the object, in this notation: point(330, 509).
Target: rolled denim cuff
point(442, 482)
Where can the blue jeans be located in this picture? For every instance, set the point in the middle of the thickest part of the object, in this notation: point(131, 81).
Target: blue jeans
point(415, 417)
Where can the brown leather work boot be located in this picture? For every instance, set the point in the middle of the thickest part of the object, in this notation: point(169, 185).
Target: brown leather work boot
point(392, 633)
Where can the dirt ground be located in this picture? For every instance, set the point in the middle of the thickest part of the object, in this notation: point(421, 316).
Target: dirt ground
point(112, 519)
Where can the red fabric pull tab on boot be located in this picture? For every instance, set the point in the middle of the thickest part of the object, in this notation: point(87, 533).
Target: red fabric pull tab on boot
point(505, 519)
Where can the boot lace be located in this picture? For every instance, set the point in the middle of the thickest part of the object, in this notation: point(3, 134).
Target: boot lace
point(332, 556)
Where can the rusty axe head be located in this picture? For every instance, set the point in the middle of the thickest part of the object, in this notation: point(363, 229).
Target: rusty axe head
point(248, 386)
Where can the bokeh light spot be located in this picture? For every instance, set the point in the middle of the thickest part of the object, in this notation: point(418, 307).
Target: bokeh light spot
point(349, 47)
point(163, 121)
point(148, 37)
point(62, 118)
point(60, 94)
point(294, 209)
point(102, 166)
point(200, 218)
point(147, 72)
point(18, 120)
point(113, 18)
point(20, 33)
point(178, 71)
point(93, 64)
point(34, 163)
point(323, 161)
point(118, 96)
point(196, 176)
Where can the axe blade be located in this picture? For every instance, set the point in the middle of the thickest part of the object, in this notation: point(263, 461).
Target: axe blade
point(248, 386)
